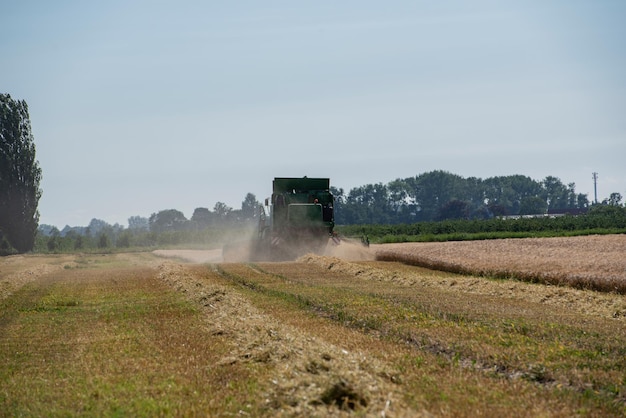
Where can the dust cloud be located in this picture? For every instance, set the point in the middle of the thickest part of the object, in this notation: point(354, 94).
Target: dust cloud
point(192, 256)
point(350, 250)
point(238, 245)
point(241, 250)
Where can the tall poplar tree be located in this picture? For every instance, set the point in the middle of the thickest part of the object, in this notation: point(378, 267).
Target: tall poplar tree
point(20, 176)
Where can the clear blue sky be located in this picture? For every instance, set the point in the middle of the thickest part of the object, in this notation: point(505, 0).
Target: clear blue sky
point(140, 106)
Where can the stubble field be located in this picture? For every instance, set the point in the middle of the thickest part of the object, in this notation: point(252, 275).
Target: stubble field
point(144, 335)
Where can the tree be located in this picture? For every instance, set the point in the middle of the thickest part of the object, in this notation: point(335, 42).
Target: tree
point(555, 193)
point(222, 211)
point(403, 204)
point(98, 225)
point(138, 223)
point(533, 205)
point(582, 201)
point(504, 194)
point(54, 241)
point(614, 199)
point(454, 209)
point(167, 220)
point(20, 175)
point(123, 240)
point(79, 242)
point(103, 240)
point(202, 218)
point(434, 189)
point(368, 204)
point(249, 207)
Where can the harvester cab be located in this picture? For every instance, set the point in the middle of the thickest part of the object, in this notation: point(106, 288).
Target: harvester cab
point(297, 219)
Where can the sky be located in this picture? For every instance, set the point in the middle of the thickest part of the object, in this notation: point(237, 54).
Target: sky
point(142, 106)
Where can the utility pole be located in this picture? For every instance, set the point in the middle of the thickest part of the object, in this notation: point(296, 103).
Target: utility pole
point(595, 186)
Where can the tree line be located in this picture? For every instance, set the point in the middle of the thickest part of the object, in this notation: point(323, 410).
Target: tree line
point(166, 227)
point(440, 195)
point(435, 203)
point(208, 228)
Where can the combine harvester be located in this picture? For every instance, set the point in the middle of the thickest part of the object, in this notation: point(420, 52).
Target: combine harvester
point(298, 220)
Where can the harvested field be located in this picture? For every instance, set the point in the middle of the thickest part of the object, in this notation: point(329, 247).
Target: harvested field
point(140, 335)
point(18, 270)
point(589, 262)
point(307, 372)
point(576, 301)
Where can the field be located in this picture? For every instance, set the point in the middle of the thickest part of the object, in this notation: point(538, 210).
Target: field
point(178, 333)
point(590, 262)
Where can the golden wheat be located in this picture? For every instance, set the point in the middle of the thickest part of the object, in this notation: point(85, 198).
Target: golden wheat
point(591, 262)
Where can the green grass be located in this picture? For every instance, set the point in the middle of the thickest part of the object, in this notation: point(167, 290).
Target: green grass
point(113, 342)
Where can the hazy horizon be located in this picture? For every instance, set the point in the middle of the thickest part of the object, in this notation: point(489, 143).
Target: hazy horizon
point(188, 213)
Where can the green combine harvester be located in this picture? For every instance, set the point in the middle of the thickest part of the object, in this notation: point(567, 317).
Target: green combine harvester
point(297, 220)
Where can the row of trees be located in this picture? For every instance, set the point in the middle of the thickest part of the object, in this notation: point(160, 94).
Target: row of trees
point(202, 218)
point(425, 199)
point(440, 195)
point(429, 197)
point(166, 227)
point(170, 227)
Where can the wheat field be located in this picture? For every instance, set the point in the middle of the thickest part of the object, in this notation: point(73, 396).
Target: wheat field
point(587, 262)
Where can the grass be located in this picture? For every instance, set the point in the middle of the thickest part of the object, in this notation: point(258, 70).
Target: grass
point(112, 342)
